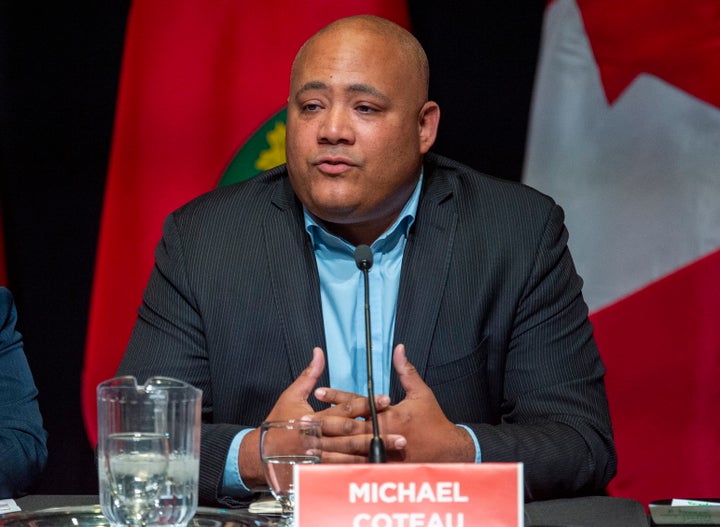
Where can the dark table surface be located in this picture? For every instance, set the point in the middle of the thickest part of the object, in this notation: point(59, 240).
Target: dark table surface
point(593, 511)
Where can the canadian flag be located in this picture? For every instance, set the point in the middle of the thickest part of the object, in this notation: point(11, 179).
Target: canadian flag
point(625, 135)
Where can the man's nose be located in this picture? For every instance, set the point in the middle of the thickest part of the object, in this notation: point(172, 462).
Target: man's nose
point(336, 127)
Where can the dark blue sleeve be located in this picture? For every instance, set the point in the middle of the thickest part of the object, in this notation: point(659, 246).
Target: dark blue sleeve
point(23, 449)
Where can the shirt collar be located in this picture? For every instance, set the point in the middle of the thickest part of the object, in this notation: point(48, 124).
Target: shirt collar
point(386, 241)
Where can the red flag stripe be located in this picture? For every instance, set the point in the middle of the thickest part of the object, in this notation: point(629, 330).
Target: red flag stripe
point(678, 42)
point(661, 347)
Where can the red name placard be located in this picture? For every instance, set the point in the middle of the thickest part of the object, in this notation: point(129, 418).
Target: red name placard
point(409, 495)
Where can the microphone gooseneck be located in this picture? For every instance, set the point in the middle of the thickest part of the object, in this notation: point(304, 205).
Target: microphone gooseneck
point(364, 261)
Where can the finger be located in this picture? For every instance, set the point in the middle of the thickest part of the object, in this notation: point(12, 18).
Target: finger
point(395, 456)
point(342, 426)
point(350, 404)
point(352, 409)
point(359, 445)
point(338, 458)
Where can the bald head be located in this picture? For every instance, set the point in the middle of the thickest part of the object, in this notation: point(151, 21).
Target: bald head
point(405, 47)
point(358, 125)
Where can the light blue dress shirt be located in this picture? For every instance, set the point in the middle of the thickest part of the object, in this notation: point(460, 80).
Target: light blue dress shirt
point(342, 294)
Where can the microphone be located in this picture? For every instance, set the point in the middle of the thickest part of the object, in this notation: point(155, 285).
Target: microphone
point(364, 261)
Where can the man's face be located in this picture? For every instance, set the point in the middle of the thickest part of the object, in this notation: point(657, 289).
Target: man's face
point(356, 130)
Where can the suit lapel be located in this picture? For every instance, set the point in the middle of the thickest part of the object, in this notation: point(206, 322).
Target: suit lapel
point(294, 280)
point(424, 273)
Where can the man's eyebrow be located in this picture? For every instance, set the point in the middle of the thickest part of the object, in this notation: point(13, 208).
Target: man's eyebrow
point(365, 88)
point(353, 88)
point(312, 85)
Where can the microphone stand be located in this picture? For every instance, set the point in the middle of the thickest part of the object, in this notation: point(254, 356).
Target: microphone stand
point(377, 448)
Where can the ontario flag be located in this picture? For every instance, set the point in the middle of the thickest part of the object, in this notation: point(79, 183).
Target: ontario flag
point(201, 99)
point(625, 135)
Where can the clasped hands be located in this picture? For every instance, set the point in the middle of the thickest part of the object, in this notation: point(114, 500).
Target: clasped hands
point(413, 430)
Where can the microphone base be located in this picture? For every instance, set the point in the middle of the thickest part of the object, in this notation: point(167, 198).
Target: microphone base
point(377, 451)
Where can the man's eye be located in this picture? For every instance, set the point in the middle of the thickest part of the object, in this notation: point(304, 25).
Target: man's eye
point(311, 107)
point(365, 109)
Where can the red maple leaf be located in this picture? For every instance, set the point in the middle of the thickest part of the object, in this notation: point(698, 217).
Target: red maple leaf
point(678, 42)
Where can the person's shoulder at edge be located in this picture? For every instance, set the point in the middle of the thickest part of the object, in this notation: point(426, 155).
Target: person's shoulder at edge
point(9, 337)
point(25, 455)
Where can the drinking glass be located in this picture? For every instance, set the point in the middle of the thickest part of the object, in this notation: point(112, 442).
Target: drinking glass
point(148, 451)
point(284, 444)
point(137, 466)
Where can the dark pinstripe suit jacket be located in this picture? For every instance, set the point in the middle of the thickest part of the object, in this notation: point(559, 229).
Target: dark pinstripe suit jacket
point(489, 308)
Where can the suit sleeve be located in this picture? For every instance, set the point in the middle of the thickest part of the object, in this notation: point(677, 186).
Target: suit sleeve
point(554, 410)
point(168, 339)
point(23, 449)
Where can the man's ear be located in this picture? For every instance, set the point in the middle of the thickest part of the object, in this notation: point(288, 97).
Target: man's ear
point(428, 121)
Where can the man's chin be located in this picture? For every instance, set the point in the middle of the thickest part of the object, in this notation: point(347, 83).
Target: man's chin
point(336, 215)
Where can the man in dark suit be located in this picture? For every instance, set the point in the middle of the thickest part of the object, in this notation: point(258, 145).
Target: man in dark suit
point(481, 339)
point(23, 449)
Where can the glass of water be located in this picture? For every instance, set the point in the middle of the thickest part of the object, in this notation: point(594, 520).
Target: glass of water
point(284, 444)
point(148, 451)
point(137, 469)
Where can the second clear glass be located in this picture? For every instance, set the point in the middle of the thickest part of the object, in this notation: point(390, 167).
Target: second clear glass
point(284, 444)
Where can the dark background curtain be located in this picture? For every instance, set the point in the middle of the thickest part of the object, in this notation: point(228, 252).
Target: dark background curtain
point(59, 69)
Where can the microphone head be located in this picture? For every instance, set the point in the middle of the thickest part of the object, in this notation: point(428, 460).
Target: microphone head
point(363, 257)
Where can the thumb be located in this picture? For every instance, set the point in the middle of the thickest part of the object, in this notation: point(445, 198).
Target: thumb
point(409, 377)
point(306, 381)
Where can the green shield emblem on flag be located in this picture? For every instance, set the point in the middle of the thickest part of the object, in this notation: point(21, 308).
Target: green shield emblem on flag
point(264, 150)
